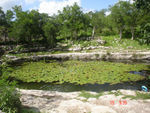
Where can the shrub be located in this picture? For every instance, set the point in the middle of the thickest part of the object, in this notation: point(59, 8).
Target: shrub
point(0, 70)
point(146, 37)
point(9, 97)
point(107, 32)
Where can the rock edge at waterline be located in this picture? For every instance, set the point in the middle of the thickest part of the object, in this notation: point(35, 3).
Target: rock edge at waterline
point(131, 56)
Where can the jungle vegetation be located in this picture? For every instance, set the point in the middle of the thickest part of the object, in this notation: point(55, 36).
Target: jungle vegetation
point(128, 20)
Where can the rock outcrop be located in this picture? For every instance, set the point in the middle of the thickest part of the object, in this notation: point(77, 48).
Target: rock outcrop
point(117, 56)
point(71, 102)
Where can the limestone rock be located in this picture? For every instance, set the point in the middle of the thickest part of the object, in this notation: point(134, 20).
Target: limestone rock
point(102, 109)
point(101, 42)
point(67, 102)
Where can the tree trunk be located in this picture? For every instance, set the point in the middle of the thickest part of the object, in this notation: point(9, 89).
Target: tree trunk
point(75, 35)
point(45, 41)
point(29, 39)
point(4, 37)
point(120, 33)
point(93, 32)
point(5, 34)
point(132, 32)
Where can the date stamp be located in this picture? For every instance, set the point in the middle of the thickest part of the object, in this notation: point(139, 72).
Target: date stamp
point(120, 102)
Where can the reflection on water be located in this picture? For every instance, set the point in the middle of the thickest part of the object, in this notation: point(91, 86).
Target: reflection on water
point(143, 73)
point(67, 87)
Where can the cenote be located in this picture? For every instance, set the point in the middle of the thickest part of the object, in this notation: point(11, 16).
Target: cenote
point(76, 75)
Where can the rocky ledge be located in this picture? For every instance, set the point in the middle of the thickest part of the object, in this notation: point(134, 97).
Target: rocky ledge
point(103, 55)
point(71, 102)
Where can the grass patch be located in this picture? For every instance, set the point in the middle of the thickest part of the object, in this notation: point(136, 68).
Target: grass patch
point(111, 41)
point(88, 95)
point(78, 72)
point(115, 41)
point(116, 93)
point(139, 95)
point(38, 53)
point(29, 110)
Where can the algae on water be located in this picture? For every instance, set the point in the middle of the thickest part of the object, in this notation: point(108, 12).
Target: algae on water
point(78, 72)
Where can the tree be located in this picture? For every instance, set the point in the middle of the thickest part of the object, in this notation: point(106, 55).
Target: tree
point(109, 26)
point(2, 17)
point(2, 23)
point(98, 21)
point(18, 29)
point(35, 26)
point(117, 13)
point(9, 16)
point(144, 23)
point(50, 31)
point(27, 26)
point(131, 17)
point(143, 4)
point(73, 22)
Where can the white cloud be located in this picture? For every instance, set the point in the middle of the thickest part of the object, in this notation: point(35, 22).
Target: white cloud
point(131, 1)
point(107, 13)
point(30, 1)
point(88, 10)
point(8, 4)
point(52, 7)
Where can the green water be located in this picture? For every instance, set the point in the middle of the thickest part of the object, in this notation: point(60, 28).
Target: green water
point(67, 87)
point(78, 75)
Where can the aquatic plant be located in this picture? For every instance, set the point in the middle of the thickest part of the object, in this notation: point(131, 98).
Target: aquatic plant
point(78, 72)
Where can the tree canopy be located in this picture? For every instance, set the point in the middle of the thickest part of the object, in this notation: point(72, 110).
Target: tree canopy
point(126, 19)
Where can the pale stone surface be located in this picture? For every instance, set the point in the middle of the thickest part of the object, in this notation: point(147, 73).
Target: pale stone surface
point(74, 106)
point(128, 93)
point(141, 56)
point(1, 111)
point(69, 102)
point(102, 109)
point(102, 42)
point(11, 57)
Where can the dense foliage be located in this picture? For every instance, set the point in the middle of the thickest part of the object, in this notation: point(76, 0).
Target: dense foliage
point(144, 23)
point(130, 20)
point(9, 97)
point(143, 4)
point(73, 23)
point(78, 72)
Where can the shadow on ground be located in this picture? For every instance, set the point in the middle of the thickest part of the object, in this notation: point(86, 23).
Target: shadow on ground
point(26, 109)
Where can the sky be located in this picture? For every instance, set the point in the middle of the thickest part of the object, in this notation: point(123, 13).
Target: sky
point(52, 6)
